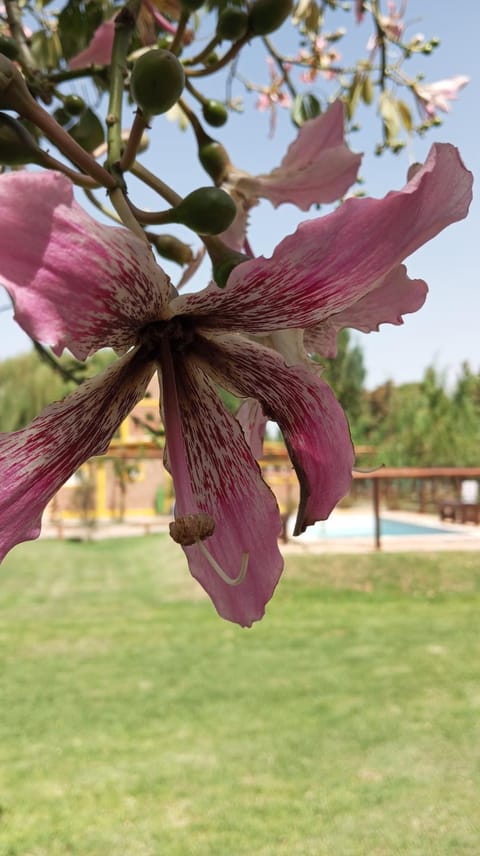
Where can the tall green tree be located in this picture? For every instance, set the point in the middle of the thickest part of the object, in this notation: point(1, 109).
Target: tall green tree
point(346, 375)
point(29, 382)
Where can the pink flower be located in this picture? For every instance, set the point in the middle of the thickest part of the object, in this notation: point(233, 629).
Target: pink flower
point(80, 285)
point(272, 96)
point(99, 51)
point(436, 96)
point(392, 24)
point(318, 167)
point(320, 60)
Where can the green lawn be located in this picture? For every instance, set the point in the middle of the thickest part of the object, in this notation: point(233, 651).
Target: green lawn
point(134, 721)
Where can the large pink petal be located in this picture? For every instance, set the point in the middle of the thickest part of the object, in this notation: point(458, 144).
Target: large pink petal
point(332, 262)
point(99, 51)
point(395, 296)
point(224, 481)
point(311, 419)
point(318, 166)
point(37, 460)
point(75, 283)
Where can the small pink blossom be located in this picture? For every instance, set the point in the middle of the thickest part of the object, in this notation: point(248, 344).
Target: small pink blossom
point(393, 24)
point(437, 96)
point(320, 61)
point(271, 97)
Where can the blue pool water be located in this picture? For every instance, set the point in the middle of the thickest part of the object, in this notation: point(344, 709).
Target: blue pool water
point(363, 526)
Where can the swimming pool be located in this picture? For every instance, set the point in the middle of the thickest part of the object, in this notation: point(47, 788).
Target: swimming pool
point(363, 526)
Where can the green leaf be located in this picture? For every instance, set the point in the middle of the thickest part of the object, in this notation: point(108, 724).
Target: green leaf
point(88, 132)
point(353, 94)
point(388, 106)
point(77, 23)
point(405, 115)
point(46, 49)
point(305, 107)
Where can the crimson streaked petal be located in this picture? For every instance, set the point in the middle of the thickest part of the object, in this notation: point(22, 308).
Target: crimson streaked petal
point(75, 283)
point(311, 419)
point(334, 261)
point(226, 484)
point(36, 461)
point(395, 296)
point(318, 166)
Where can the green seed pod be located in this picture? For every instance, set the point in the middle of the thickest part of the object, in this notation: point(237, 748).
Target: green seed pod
point(171, 248)
point(214, 159)
point(232, 24)
point(73, 105)
point(223, 269)
point(215, 113)
point(17, 146)
point(266, 16)
point(207, 210)
point(157, 81)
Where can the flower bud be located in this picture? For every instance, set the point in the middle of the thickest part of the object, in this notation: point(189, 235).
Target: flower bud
point(8, 47)
point(266, 16)
point(232, 24)
point(157, 81)
point(73, 105)
point(223, 259)
point(215, 113)
point(207, 210)
point(14, 94)
point(214, 159)
point(171, 248)
point(191, 5)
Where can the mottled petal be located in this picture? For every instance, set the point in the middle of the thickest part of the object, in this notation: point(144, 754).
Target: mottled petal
point(311, 419)
point(36, 461)
point(332, 262)
point(75, 283)
point(226, 484)
point(318, 167)
point(99, 51)
point(253, 422)
point(395, 296)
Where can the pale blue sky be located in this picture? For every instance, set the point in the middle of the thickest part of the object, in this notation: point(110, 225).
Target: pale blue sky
point(446, 331)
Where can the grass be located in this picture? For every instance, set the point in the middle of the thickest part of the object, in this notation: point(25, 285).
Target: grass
point(134, 721)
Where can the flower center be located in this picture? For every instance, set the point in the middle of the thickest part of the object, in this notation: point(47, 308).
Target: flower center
point(180, 332)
